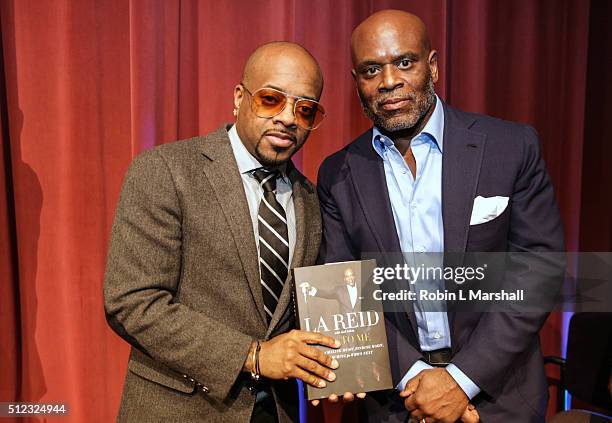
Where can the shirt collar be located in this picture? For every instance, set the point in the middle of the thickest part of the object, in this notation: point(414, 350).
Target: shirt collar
point(434, 129)
point(247, 163)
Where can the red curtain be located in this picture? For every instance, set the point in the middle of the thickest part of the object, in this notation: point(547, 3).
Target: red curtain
point(88, 84)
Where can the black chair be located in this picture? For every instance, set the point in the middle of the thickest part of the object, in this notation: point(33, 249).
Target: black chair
point(586, 372)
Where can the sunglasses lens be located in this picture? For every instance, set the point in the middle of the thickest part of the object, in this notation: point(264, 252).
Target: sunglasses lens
point(309, 114)
point(267, 103)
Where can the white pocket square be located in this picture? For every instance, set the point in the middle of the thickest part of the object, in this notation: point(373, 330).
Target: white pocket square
point(487, 208)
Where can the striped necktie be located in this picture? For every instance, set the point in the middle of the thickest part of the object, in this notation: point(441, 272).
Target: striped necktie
point(273, 241)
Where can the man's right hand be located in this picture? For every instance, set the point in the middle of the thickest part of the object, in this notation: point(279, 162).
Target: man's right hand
point(292, 355)
point(470, 415)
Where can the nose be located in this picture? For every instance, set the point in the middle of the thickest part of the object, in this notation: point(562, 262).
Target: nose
point(390, 78)
point(286, 117)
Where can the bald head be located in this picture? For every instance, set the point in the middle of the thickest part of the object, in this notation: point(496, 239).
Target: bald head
point(276, 76)
point(395, 70)
point(278, 55)
point(387, 26)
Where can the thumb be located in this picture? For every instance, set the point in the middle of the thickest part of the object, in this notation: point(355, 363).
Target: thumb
point(411, 386)
point(470, 415)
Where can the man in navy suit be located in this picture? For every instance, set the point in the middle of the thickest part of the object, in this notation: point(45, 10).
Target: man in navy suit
point(430, 178)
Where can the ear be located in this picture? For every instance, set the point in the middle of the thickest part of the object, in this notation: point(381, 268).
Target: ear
point(238, 95)
point(433, 65)
point(354, 74)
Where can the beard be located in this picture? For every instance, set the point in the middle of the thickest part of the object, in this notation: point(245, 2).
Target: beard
point(269, 159)
point(397, 120)
point(273, 157)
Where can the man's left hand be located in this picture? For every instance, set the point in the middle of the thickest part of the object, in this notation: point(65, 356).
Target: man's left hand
point(437, 396)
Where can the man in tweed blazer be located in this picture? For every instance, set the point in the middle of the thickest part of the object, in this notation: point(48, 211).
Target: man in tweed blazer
point(183, 283)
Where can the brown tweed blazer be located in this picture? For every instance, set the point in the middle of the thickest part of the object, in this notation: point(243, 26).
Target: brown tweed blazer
point(182, 284)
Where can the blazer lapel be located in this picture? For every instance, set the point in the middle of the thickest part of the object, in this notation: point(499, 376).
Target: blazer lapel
point(368, 173)
point(224, 176)
point(301, 202)
point(461, 162)
point(462, 158)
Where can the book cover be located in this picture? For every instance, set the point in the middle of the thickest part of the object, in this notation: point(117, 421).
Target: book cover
point(330, 299)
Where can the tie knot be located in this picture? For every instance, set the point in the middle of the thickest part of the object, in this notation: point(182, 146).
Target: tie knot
point(266, 178)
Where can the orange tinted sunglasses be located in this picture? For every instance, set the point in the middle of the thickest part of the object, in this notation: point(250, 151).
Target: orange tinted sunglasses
point(269, 102)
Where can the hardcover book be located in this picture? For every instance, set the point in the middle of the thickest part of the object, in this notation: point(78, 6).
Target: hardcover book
point(330, 299)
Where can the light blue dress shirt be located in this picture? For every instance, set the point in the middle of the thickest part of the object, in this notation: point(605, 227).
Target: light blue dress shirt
point(416, 203)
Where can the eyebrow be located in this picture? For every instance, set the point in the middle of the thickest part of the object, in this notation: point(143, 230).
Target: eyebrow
point(282, 90)
point(408, 55)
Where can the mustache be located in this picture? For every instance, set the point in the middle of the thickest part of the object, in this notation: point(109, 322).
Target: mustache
point(292, 136)
point(384, 97)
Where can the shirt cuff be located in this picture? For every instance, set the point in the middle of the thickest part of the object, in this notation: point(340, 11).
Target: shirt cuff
point(416, 368)
point(464, 382)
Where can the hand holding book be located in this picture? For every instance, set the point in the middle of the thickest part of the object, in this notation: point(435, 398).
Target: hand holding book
point(292, 355)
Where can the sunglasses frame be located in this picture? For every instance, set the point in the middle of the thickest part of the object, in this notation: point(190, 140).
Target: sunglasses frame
point(295, 102)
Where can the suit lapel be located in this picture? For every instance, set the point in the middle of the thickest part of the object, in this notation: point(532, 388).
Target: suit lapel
point(368, 173)
point(462, 158)
point(461, 162)
point(224, 176)
point(301, 203)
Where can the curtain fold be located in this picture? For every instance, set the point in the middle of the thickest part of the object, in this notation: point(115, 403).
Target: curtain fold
point(10, 331)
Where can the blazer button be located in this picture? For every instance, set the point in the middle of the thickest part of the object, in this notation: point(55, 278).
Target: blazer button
point(191, 380)
point(205, 389)
point(185, 376)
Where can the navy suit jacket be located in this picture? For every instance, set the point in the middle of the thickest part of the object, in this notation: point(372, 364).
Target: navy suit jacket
point(484, 156)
